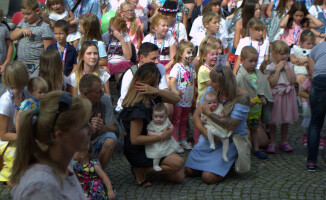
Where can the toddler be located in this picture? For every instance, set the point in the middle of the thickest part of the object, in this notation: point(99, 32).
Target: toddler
point(161, 149)
point(212, 128)
point(92, 178)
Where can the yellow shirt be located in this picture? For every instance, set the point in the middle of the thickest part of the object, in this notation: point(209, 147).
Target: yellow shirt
point(203, 77)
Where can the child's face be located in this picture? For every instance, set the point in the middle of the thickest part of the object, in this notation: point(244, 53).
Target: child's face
point(283, 56)
point(213, 25)
point(134, 2)
point(212, 57)
point(59, 35)
point(188, 55)
point(113, 29)
point(159, 117)
point(57, 7)
point(31, 16)
point(257, 11)
point(91, 56)
point(289, 4)
point(250, 63)
point(128, 12)
point(298, 16)
point(216, 8)
point(256, 34)
point(212, 102)
point(162, 27)
point(308, 44)
point(38, 94)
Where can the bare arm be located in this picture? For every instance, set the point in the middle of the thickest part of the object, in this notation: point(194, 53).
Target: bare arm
point(238, 27)
point(311, 65)
point(197, 122)
point(10, 50)
point(106, 180)
point(298, 61)
point(4, 134)
point(103, 61)
point(172, 85)
point(71, 16)
point(269, 9)
point(314, 22)
point(173, 51)
point(236, 66)
point(16, 34)
point(107, 87)
point(290, 74)
point(284, 22)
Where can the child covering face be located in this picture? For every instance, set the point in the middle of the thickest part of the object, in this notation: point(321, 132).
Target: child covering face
point(212, 128)
point(161, 149)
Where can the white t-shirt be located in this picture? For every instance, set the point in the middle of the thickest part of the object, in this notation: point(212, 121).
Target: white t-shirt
point(114, 5)
point(261, 49)
point(126, 79)
point(55, 16)
point(198, 27)
point(164, 47)
point(7, 109)
point(115, 50)
point(314, 10)
point(201, 35)
point(182, 31)
point(103, 75)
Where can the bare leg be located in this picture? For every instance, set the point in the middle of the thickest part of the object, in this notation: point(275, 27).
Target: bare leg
point(156, 162)
point(262, 137)
point(284, 132)
point(170, 110)
point(272, 133)
point(210, 137)
point(225, 142)
point(106, 152)
point(254, 139)
point(211, 178)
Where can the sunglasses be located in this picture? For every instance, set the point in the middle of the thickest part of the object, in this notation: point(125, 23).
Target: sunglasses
point(88, 43)
point(65, 102)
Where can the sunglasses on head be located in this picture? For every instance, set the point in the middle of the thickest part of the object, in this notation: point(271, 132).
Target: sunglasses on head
point(220, 69)
point(65, 102)
point(88, 43)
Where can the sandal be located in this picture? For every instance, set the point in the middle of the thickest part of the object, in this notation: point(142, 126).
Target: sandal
point(145, 183)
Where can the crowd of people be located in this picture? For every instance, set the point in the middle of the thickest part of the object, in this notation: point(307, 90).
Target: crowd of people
point(239, 68)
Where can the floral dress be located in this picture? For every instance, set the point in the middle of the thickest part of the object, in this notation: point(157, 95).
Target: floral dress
point(91, 183)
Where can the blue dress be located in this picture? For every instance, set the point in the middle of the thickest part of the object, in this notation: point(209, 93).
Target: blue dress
point(203, 158)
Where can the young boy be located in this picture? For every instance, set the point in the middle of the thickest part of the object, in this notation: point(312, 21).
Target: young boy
point(33, 36)
point(6, 48)
point(68, 52)
point(255, 83)
point(211, 24)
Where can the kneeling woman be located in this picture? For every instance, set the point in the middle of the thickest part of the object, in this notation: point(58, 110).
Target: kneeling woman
point(136, 115)
point(207, 162)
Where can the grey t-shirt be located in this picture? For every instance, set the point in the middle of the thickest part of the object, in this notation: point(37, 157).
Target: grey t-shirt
point(318, 53)
point(30, 49)
point(4, 35)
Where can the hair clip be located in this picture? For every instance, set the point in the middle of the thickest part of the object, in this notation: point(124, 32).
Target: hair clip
point(42, 146)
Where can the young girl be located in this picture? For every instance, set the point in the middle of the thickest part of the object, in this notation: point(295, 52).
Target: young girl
point(318, 10)
point(256, 29)
point(299, 57)
point(274, 31)
point(92, 178)
point(135, 27)
point(161, 149)
point(119, 47)
point(57, 11)
point(241, 30)
point(182, 78)
point(88, 61)
point(281, 77)
point(207, 61)
point(90, 29)
point(161, 37)
point(297, 20)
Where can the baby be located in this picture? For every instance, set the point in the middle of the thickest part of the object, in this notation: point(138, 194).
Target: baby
point(161, 149)
point(212, 128)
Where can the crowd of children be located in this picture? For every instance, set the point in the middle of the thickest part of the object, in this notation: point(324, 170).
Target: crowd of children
point(60, 44)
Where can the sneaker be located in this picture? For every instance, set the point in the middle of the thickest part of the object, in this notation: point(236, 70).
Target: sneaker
point(260, 154)
point(311, 167)
point(271, 148)
point(286, 147)
point(322, 143)
point(304, 139)
point(179, 150)
point(185, 145)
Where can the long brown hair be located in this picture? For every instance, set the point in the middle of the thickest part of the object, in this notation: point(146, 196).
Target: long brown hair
point(51, 69)
point(91, 28)
point(147, 73)
point(248, 12)
point(183, 45)
point(133, 22)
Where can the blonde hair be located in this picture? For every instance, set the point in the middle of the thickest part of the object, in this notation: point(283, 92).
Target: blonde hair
point(147, 73)
point(209, 16)
point(248, 50)
point(29, 5)
point(279, 47)
point(183, 45)
point(49, 3)
point(119, 23)
point(205, 49)
point(205, 41)
point(37, 83)
point(80, 67)
point(225, 80)
point(15, 74)
point(51, 69)
point(91, 28)
point(156, 21)
point(133, 22)
point(34, 139)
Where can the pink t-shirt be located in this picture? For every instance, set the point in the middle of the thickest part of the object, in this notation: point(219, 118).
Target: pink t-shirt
point(292, 36)
point(306, 84)
point(134, 37)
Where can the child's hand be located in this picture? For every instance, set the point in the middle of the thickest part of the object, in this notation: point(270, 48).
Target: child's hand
point(263, 100)
point(27, 32)
point(118, 35)
point(111, 194)
point(221, 115)
point(280, 66)
point(251, 103)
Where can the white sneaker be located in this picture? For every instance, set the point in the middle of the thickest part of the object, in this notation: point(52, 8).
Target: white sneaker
point(185, 145)
point(179, 150)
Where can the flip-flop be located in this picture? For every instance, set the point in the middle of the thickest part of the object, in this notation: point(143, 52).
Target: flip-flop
point(145, 183)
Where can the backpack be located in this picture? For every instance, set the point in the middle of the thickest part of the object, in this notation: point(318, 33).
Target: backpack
point(133, 71)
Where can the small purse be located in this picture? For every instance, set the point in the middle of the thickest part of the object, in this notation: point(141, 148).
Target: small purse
point(2, 156)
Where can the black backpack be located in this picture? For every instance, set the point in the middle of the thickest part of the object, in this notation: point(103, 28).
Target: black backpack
point(133, 71)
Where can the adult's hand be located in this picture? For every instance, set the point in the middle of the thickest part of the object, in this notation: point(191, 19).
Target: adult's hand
point(206, 109)
point(167, 132)
point(144, 88)
point(97, 122)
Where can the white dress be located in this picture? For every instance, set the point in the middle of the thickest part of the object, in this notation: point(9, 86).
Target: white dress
point(300, 53)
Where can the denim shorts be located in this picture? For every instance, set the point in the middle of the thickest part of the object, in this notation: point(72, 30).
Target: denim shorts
point(99, 143)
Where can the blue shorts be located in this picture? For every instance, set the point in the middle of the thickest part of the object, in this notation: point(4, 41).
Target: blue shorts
point(99, 143)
